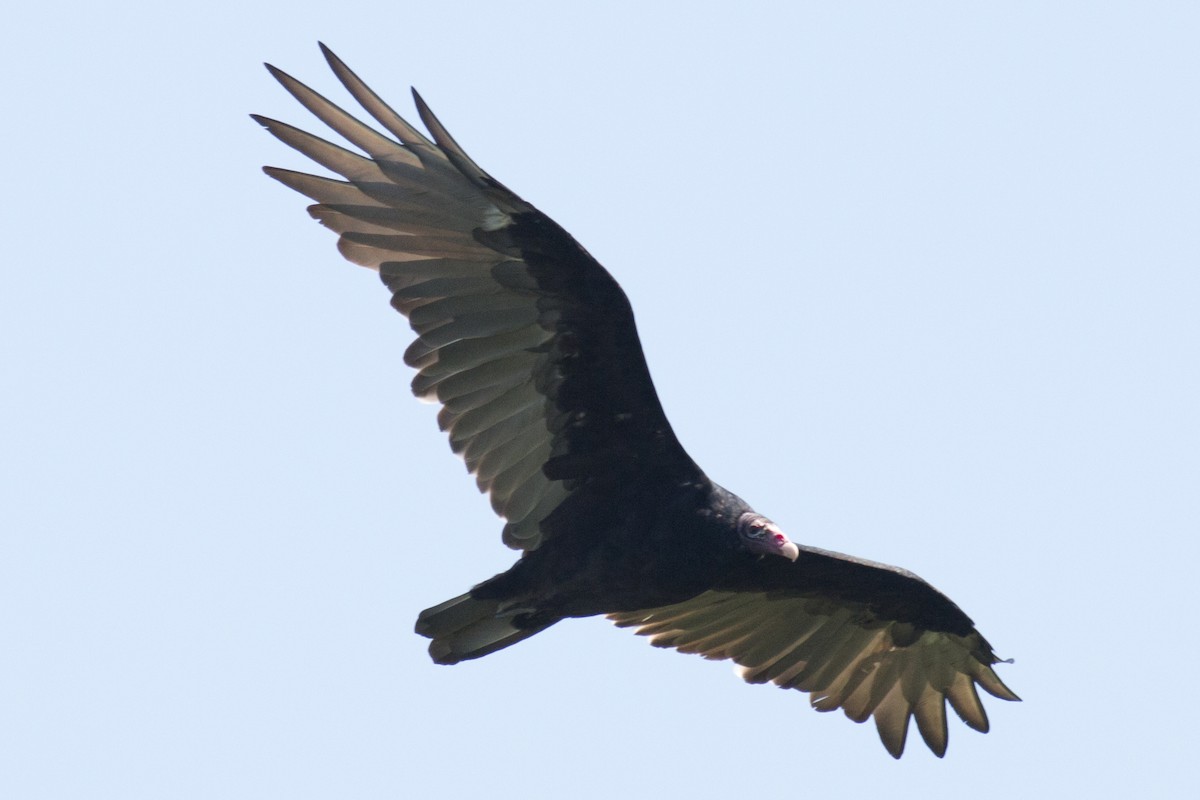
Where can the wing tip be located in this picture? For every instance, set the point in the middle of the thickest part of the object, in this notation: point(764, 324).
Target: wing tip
point(331, 58)
point(432, 124)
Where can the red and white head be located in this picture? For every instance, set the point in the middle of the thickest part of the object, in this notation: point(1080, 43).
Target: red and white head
point(761, 536)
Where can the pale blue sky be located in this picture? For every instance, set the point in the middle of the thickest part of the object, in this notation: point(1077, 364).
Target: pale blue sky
point(920, 281)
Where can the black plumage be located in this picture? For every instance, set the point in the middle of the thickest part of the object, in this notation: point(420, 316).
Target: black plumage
point(530, 347)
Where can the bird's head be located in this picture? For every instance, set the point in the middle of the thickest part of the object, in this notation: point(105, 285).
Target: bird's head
point(762, 537)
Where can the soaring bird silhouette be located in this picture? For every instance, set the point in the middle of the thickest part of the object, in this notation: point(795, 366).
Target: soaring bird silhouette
point(530, 347)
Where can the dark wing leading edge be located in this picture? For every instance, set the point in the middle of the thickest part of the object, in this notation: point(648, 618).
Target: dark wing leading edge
point(525, 340)
point(870, 639)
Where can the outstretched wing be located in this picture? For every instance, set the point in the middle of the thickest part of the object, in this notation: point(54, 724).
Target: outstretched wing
point(870, 639)
point(525, 340)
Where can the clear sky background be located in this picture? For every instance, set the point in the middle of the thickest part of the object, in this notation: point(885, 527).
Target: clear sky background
point(920, 281)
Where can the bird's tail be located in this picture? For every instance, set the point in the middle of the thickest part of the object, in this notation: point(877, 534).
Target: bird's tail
point(466, 627)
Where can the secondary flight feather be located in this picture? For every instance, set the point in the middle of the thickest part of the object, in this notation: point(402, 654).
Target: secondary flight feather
point(530, 347)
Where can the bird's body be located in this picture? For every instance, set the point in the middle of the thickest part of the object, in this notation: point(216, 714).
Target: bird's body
point(622, 559)
point(530, 347)
point(613, 557)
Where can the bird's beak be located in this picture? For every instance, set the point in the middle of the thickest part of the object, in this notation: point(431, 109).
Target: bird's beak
point(778, 543)
point(790, 551)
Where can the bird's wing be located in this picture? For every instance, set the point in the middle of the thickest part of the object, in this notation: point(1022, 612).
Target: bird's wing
point(870, 639)
point(525, 340)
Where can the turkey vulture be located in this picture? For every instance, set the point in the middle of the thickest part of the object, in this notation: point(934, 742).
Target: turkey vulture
point(530, 347)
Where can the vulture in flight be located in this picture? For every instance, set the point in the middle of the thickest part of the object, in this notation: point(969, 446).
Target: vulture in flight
point(530, 348)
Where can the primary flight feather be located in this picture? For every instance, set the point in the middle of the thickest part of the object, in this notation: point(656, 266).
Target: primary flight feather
point(530, 347)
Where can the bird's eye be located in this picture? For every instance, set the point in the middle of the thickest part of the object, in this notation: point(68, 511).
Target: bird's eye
point(757, 532)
